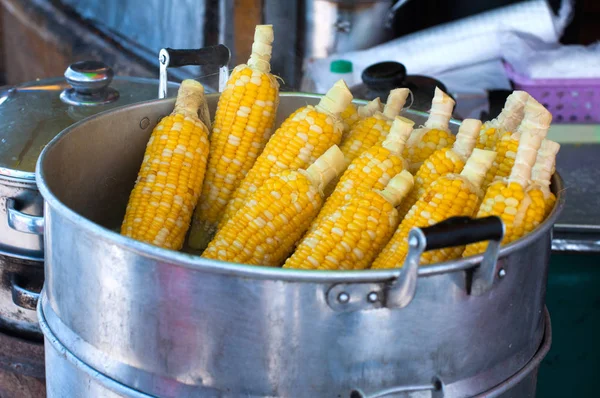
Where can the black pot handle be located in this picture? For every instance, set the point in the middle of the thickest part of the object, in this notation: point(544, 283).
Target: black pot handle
point(455, 231)
point(218, 55)
point(459, 231)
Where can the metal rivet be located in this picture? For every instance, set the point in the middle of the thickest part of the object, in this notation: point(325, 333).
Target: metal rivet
point(372, 297)
point(343, 297)
point(501, 273)
point(144, 123)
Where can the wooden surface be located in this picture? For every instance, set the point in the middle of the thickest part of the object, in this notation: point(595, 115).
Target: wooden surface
point(44, 40)
point(22, 373)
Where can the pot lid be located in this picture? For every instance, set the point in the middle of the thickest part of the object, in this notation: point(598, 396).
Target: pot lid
point(33, 113)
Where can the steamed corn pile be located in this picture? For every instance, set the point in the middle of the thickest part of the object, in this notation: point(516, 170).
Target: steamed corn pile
point(336, 186)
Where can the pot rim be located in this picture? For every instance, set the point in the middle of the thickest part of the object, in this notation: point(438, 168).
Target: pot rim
point(195, 262)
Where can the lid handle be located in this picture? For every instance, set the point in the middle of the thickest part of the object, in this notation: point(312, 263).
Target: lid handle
point(89, 82)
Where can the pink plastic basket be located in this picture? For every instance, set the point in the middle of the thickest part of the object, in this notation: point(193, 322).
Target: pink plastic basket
point(574, 101)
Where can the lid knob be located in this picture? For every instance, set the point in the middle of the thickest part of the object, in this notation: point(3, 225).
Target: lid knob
point(90, 82)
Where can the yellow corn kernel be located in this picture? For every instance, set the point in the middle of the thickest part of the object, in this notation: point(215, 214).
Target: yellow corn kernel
point(296, 144)
point(170, 178)
point(349, 116)
point(266, 228)
point(508, 143)
point(352, 114)
point(542, 199)
point(371, 170)
point(508, 120)
point(372, 130)
point(435, 135)
point(243, 122)
point(506, 148)
point(452, 195)
point(353, 235)
point(487, 138)
point(507, 197)
point(443, 161)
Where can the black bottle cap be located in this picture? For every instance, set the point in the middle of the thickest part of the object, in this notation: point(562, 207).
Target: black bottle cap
point(384, 75)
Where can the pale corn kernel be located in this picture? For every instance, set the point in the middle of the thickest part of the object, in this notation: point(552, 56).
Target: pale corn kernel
point(350, 238)
point(295, 144)
point(271, 245)
point(363, 174)
point(428, 211)
point(164, 221)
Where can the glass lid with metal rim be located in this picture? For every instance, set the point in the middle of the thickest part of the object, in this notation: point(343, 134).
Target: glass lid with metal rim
point(33, 113)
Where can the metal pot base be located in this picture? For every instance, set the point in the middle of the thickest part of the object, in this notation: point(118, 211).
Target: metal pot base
point(69, 376)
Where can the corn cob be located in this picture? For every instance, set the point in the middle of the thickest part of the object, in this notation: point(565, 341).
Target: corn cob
point(449, 196)
point(443, 161)
point(353, 235)
point(297, 143)
point(507, 197)
point(170, 178)
point(508, 120)
point(542, 199)
point(353, 113)
point(435, 135)
point(274, 217)
point(372, 130)
point(507, 146)
point(371, 170)
point(243, 122)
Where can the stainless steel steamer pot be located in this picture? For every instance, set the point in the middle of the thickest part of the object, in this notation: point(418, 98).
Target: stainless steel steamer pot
point(171, 324)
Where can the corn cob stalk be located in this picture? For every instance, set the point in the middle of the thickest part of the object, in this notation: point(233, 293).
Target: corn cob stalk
point(353, 235)
point(443, 161)
point(435, 135)
point(274, 217)
point(507, 197)
point(243, 122)
point(353, 113)
point(508, 145)
point(371, 170)
point(170, 179)
point(372, 130)
point(542, 199)
point(297, 143)
point(449, 196)
point(508, 120)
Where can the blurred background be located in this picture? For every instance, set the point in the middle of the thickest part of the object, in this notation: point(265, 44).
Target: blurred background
point(477, 50)
point(472, 48)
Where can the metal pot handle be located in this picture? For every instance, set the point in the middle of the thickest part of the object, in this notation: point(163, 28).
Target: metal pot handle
point(214, 55)
point(22, 297)
point(22, 222)
point(455, 231)
point(436, 388)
